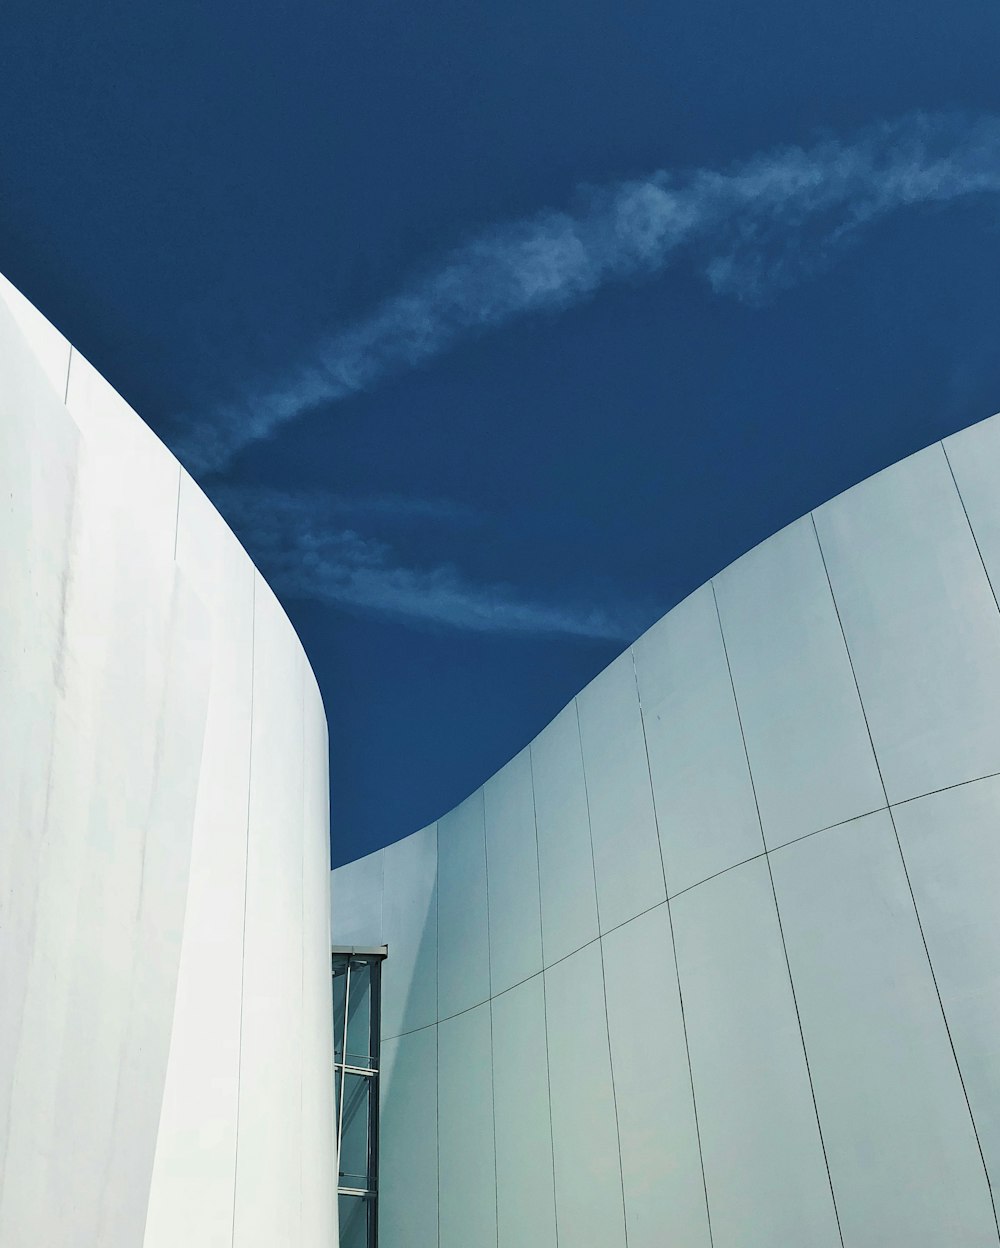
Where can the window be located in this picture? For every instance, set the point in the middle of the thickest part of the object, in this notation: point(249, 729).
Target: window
point(356, 974)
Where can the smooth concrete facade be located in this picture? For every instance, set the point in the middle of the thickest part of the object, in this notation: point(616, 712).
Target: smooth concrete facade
point(165, 1016)
point(715, 961)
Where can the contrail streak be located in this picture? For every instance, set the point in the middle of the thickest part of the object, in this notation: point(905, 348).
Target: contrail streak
point(751, 229)
point(305, 553)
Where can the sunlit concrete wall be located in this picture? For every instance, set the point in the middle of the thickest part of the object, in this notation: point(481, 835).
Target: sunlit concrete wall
point(165, 1046)
point(716, 959)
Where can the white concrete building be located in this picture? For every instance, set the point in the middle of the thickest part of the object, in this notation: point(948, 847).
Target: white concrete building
point(714, 962)
point(165, 1031)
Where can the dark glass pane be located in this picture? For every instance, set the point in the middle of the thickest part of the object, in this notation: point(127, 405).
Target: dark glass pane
point(354, 1137)
point(355, 989)
point(354, 1213)
point(359, 1017)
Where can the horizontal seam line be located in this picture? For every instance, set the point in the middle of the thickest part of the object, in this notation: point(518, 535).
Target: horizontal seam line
point(946, 788)
point(991, 775)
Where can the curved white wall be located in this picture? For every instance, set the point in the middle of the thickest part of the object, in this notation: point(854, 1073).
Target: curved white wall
point(165, 1047)
point(716, 959)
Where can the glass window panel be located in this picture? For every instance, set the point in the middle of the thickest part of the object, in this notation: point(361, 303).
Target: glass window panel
point(355, 1212)
point(354, 1131)
point(355, 1006)
point(359, 1012)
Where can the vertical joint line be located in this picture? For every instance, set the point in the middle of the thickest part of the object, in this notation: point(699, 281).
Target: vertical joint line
point(590, 826)
point(489, 976)
point(649, 773)
point(677, 969)
point(781, 929)
point(614, 1090)
point(246, 876)
point(604, 981)
point(486, 878)
point(69, 365)
point(902, 857)
point(177, 509)
point(968, 521)
point(545, 1008)
point(437, 1022)
point(538, 856)
point(303, 937)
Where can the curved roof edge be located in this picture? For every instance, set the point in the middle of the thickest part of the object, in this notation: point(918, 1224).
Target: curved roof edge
point(857, 486)
point(56, 354)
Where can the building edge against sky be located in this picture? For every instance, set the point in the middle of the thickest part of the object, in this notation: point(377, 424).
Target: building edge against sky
point(165, 1043)
point(715, 960)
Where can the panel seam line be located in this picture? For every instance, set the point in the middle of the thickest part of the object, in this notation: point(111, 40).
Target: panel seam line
point(246, 877)
point(436, 1023)
point(673, 947)
point(781, 929)
point(489, 978)
point(906, 872)
point(177, 509)
point(604, 981)
point(968, 521)
point(777, 849)
point(545, 1007)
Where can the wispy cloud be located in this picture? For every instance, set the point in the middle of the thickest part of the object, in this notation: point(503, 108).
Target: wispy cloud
point(305, 553)
point(751, 228)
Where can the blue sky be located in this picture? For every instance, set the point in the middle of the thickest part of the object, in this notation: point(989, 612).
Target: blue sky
point(497, 329)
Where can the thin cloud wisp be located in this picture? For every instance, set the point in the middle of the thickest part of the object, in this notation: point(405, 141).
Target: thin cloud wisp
point(751, 229)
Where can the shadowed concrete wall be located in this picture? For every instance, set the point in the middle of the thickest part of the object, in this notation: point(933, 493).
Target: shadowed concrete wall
point(165, 1047)
point(716, 959)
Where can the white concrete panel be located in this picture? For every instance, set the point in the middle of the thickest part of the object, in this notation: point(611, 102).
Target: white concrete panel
point(701, 783)
point(512, 874)
point(589, 1203)
point(627, 862)
point(463, 935)
point(356, 901)
point(565, 857)
point(409, 928)
point(661, 1165)
point(764, 1168)
point(191, 1196)
point(525, 1193)
point(126, 769)
point(269, 1147)
point(467, 1198)
point(44, 341)
point(905, 1164)
point(117, 661)
point(139, 504)
point(953, 858)
point(159, 916)
point(38, 454)
point(408, 1141)
point(973, 455)
point(318, 1133)
point(809, 750)
point(921, 623)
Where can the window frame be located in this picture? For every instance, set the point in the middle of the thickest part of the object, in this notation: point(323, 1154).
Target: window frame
point(343, 959)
